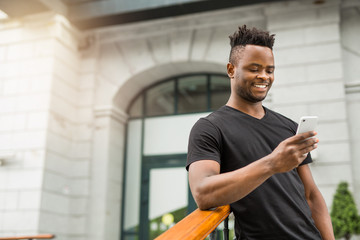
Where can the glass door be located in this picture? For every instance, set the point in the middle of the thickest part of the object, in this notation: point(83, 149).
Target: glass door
point(165, 194)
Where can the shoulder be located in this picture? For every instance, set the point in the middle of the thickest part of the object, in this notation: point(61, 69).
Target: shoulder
point(213, 120)
point(208, 125)
point(205, 141)
point(202, 125)
point(210, 128)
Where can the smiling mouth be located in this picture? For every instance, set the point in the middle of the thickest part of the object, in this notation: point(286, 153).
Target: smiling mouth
point(261, 85)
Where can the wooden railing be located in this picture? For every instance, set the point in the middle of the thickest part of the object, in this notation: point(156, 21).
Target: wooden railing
point(41, 236)
point(197, 225)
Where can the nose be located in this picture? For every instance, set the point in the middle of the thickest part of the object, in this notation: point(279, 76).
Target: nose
point(263, 75)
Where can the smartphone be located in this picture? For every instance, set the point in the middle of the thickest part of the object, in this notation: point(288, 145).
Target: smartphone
point(307, 123)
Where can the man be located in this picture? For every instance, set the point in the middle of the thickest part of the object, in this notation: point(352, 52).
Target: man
point(248, 156)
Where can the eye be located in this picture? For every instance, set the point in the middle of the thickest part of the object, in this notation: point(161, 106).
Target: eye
point(270, 70)
point(253, 69)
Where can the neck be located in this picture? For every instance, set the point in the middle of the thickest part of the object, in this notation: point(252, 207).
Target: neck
point(255, 110)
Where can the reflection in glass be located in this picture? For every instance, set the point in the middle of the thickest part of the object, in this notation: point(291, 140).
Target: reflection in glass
point(192, 94)
point(195, 93)
point(160, 99)
point(220, 91)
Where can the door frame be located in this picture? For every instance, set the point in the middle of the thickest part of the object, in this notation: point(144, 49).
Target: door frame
point(148, 163)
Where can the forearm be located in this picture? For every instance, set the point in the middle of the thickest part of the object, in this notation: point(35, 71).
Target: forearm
point(321, 215)
point(226, 188)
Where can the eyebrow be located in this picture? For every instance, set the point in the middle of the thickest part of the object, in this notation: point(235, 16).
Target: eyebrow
point(259, 65)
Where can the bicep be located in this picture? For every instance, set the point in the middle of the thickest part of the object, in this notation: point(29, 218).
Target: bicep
point(199, 171)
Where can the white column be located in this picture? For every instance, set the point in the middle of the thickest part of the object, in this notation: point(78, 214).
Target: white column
point(27, 62)
point(106, 173)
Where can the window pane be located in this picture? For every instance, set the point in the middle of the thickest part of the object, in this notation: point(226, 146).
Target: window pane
point(168, 198)
point(220, 91)
point(192, 95)
point(160, 99)
point(136, 108)
point(133, 177)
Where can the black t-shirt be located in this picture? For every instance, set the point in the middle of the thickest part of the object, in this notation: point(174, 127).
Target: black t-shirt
point(277, 209)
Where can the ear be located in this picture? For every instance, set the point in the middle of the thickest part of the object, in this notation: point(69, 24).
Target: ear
point(230, 70)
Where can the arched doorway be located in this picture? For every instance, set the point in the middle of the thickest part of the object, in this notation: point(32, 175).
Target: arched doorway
point(155, 190)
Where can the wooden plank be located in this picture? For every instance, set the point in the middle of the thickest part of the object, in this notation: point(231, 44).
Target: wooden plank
point(41, 236)
point(197, 225)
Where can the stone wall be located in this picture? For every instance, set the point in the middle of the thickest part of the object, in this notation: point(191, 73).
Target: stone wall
point(26, 68)
point(46, 129)
point(350, 37)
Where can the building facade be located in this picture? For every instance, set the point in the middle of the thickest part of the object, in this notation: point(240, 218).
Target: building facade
point(78, 131)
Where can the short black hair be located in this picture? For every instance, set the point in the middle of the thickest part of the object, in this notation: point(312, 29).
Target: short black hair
point(245, 36)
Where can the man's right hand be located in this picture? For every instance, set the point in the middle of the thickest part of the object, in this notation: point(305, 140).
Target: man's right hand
point(291, 152)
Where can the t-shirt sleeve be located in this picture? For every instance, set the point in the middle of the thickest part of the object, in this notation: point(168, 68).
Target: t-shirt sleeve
point(307, 160)
point(204, 142)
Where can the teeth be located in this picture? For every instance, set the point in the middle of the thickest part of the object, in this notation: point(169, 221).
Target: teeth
point(260, 86)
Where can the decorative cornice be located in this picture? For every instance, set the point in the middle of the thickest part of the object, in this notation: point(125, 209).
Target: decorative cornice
point(111, 112)
point(164, 26)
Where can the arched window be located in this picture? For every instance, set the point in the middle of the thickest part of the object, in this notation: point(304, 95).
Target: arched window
point(155, 179)
point(182, 94)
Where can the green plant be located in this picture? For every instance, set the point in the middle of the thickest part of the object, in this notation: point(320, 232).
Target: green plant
point(178, 215)
point(344, 214)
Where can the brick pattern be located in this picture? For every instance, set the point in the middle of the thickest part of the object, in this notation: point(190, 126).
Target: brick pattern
point(26, 65)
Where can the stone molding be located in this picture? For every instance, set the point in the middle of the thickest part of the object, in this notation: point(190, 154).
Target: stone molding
point(111, 112)
point(209, 20)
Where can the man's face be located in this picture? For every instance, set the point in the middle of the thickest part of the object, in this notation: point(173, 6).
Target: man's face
point(253, 73)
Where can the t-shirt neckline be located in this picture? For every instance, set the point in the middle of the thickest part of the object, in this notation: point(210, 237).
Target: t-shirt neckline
point(249, 116)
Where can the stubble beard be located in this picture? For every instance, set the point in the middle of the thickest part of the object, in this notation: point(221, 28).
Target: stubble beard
point(248, 96)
